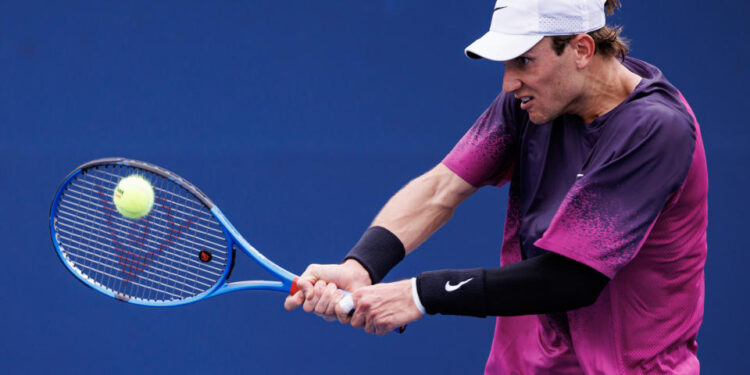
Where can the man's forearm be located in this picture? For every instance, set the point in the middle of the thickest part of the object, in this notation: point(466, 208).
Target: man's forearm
point(544, 284)
point(410, 217)
point(421, 207)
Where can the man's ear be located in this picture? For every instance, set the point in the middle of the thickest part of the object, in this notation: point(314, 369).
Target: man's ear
point(584, 48)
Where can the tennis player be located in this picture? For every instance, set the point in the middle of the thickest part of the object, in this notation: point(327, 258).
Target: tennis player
point(603, 252)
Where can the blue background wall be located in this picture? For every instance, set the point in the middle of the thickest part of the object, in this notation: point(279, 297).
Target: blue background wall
point(300, 119)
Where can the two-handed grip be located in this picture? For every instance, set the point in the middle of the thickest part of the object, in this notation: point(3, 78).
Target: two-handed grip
point(346, 304)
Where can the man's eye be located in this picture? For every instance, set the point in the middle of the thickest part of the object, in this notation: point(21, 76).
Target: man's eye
point(523, 60)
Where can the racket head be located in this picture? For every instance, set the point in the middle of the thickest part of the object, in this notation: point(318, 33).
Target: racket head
point(177, 254)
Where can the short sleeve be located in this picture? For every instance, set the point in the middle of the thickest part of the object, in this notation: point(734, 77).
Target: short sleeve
point(610, 209)
point(486, 154)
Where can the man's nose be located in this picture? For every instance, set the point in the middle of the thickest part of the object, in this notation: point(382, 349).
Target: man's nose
point(511, 82)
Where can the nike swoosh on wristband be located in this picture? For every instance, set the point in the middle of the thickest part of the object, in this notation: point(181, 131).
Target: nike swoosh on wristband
point(452, 288)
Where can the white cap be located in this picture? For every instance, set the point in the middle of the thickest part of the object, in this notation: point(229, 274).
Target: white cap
point(518, 25)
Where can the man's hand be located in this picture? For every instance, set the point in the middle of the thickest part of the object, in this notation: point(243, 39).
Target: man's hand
point(319, 288)
point(382, 308)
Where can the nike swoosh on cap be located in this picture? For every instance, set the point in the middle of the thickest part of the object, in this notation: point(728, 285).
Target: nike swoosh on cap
point(498, 8)
point(451, 288)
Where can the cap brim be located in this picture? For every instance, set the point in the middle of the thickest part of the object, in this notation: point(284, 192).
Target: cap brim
point(501, 47)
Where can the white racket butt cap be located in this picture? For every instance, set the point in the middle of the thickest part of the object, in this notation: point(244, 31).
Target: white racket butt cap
point(347, 304)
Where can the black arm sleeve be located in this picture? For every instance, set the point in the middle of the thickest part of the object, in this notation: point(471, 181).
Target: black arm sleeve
point(545, 284)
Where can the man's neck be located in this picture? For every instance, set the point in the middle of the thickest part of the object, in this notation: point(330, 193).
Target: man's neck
point(609, 84)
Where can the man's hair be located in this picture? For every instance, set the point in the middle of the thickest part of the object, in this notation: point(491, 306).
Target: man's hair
point(607, 39)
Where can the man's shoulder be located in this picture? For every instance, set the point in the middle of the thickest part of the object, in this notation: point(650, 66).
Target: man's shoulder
point(655, 101)
point(658, 110)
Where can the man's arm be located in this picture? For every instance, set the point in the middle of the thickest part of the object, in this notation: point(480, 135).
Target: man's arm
point(421, 207)
point(412, 215)
point(544, 284)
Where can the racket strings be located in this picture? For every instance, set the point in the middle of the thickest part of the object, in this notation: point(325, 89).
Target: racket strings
point(191, 271)
point(214, 232)
point(155, 258)
point(81, 249)
point(126, 228)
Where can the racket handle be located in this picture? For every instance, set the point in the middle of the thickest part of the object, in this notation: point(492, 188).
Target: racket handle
point(347, 304)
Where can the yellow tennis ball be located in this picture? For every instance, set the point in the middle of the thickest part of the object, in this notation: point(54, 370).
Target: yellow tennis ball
point(133, 196)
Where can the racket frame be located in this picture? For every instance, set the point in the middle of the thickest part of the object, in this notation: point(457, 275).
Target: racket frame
point(287, 280)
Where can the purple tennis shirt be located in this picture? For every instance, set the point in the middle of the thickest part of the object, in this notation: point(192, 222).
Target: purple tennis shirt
point(625, 195)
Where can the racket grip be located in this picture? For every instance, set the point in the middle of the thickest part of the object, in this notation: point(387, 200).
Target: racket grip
point(347, 304)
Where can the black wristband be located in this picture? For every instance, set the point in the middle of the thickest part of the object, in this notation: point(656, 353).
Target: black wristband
point(453, 292)
point(378, 251)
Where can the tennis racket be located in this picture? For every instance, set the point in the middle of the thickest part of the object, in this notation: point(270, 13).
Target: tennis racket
point(183, 251)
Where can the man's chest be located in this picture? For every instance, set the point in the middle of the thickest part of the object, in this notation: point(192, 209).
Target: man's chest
point(552, 157)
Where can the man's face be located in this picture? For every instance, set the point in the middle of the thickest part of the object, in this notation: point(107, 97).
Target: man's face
point(547, 84)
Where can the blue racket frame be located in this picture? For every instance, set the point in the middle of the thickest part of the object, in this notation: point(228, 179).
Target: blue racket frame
point(234, 240)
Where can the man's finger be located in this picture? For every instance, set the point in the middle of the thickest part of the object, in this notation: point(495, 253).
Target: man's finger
point(312, 299)
point(335, 296)
point(306, 286)
point(324, 304)
point(293, 302)
point(358, 319)
point(369, 326)
point(344, 316)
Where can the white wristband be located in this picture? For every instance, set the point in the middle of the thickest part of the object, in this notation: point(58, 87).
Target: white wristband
point(415, 295)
